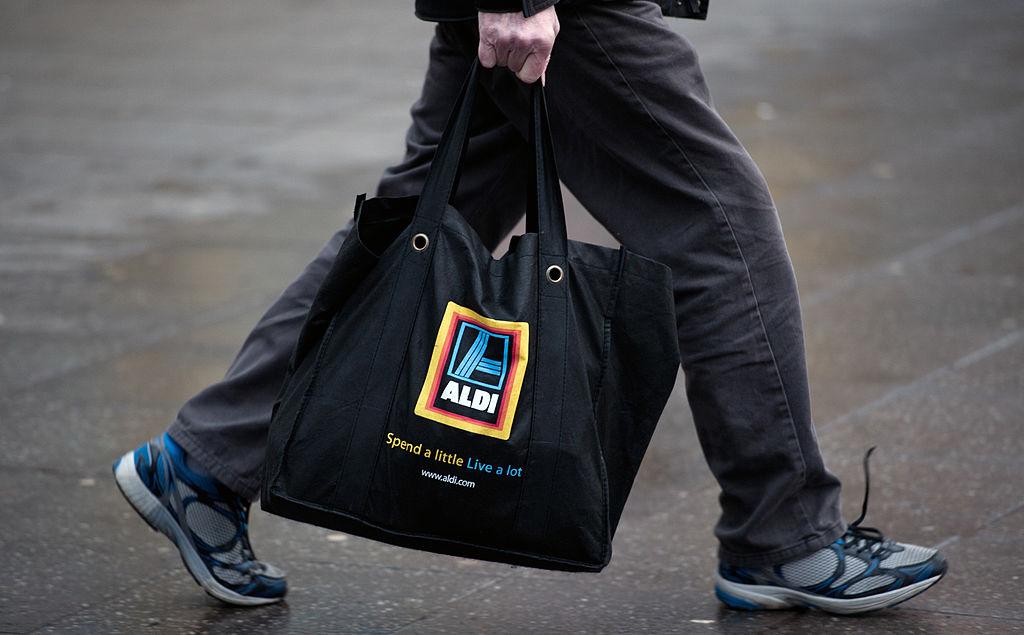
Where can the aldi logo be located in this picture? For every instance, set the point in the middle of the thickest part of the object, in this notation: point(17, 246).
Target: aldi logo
point(476, 372)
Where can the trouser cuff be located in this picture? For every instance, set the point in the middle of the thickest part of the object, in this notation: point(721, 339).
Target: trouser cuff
point(784, 554)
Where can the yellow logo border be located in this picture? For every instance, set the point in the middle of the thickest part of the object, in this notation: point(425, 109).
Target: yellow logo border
point(504, 428)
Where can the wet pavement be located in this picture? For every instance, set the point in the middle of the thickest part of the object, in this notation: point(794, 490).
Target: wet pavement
point(166, 167)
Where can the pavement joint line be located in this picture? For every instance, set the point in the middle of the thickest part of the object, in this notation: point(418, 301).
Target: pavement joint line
point(986, 351)
point(1001, 515)
point(262, 243)
point(952, 540)
point(1005, 618)
point(991, 522)
point(965, 361)
point(782, 618)
point(273, 245)
point(471, 591)
point(957, 236)
point(52, 471)
point(150, 338)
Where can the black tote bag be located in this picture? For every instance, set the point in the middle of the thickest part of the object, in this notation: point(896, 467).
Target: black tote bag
point(443, 400)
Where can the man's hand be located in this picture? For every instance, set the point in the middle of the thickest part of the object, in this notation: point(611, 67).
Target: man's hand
point(520, 43)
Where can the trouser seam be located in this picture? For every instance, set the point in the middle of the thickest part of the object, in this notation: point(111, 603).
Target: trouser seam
point(739, 251)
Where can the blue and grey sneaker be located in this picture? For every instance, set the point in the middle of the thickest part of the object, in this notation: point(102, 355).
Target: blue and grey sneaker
point(862, 571)
point(206, 521)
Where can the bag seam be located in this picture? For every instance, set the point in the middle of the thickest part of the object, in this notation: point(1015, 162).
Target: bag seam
point(394, 390)
point(306, 396)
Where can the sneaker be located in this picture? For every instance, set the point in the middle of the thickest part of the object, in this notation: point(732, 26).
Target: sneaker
point(205, 520)
point(862, 571)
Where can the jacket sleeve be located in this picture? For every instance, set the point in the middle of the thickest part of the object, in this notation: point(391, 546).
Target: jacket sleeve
point(528, 7)
point(696, 9)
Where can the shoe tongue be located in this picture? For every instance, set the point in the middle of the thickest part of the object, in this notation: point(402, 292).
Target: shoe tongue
point(198, 478)
point(187, 469)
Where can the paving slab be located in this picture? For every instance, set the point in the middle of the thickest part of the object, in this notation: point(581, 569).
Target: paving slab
point(324, 599)
point(989, 574)
point(858, 350)
point(949, 450)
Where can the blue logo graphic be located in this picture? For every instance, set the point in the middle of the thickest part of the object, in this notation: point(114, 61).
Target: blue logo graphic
point(482, 359)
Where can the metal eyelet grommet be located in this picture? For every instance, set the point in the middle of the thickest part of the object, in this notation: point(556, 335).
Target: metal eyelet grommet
point(420, 242)
point(555, 273)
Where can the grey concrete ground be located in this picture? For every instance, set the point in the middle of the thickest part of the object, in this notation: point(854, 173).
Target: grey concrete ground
point(165, 167)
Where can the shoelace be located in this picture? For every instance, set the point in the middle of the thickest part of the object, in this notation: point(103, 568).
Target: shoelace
point(867, 538)
point(249, 565)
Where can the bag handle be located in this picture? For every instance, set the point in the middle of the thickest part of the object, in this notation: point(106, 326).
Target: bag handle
point(545, 213)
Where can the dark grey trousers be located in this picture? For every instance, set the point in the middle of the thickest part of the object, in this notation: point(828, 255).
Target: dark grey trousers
point(639, 144)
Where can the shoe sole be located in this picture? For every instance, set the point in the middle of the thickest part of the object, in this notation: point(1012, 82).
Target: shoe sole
point(159, 519)
point(757, 597)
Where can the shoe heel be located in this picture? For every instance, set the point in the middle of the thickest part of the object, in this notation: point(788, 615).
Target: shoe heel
point(137, 494)
point(734, 602)
point(749, 597)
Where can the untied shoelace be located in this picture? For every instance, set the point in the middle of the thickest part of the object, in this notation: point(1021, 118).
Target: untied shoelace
point(867, 538)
